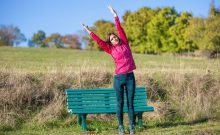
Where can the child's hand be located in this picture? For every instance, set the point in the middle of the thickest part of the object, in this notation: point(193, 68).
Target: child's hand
point(112, 10)
point(86, 28)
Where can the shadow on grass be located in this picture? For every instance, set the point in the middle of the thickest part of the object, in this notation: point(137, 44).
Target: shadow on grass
point(167, 124)
point(97, 127)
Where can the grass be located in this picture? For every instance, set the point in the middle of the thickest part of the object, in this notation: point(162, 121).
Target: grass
point(49, 60)
point(109, 128)
point(41, 60)
point(35, 78)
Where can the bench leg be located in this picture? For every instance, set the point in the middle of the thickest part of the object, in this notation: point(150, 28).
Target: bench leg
point(140, 122)
point(79, 119)
point(84, 126)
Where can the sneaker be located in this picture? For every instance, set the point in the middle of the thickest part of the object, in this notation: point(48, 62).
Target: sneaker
point(131, 130)
point(121, 130)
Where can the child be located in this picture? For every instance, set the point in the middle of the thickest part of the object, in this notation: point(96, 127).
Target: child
point(118, 48)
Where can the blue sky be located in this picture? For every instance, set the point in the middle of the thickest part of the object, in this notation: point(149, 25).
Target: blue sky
point(65, 16)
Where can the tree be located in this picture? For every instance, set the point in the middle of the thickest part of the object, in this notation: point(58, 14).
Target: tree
point(204, 32)
point(125, 16)
point(179, 40)
point(71, 41)
point(101, 28)
point(39, 38)
point(195, 32)
point(10, 35)
point(136, 25)
point(158, 31)
point(212, 10)
point(54, 40)
point(211, 40)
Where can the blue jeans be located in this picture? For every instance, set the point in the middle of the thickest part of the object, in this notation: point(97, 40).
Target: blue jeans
point(125, 82)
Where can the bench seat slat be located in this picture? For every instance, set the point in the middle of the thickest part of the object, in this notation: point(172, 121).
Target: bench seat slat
point(99, 89)
point(103, 93)
point(100, 98)
point(98, 92)
point(136, 101)
point(69, 91)
point(98, 103)
point(103, 106)
point(97, 111)
point(100, 95)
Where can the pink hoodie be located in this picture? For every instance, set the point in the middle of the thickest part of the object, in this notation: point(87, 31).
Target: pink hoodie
point(120, 53)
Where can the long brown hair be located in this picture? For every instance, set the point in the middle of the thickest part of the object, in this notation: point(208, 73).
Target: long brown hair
point(108, 39)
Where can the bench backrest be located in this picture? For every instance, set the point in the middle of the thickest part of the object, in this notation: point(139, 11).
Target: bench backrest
point(101, 100)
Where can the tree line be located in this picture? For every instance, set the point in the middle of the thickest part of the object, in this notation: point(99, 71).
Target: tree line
point(12, 36)
point(55, 40)
point(151, 31)
point(164, 30)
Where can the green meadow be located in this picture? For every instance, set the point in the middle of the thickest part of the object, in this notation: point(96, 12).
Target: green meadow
point(48, 60)
point(185, 91)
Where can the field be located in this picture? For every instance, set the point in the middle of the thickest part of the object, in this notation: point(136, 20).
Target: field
point(52, 60)
point(185, 91)
point(205, 128)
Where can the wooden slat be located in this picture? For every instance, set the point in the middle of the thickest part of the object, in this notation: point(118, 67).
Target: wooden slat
point(97, 111)
point(95, 90)
point(100, 98)
point(101, 95)
point(91, 105)
point(107, 93)
point(100, 90)
point(108, 102)
point(143, 97)
point(99, 107)
point(104, 102)
point(110, 89)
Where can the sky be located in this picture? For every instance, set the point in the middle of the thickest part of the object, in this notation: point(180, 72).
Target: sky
point(66, 16)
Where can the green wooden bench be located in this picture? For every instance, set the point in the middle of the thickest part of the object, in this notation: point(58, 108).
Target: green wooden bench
point(101, 101)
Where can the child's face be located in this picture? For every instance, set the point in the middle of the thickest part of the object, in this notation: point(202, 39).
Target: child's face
point(114, 39)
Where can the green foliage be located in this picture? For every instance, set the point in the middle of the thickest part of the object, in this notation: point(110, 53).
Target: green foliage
point(213, 11)
point(164, 30)
point(195, 32)
point(54, 39)
point(101, 28)
point(158, 30)
point(211, 39)
point(5, 128)
point(179, 41)
point(39, 38)
point(136, 28)
point(205, 33)
point(125, 16)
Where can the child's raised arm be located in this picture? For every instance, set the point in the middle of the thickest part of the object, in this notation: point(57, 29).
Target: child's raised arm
point(120, 30)
point(105, 46)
